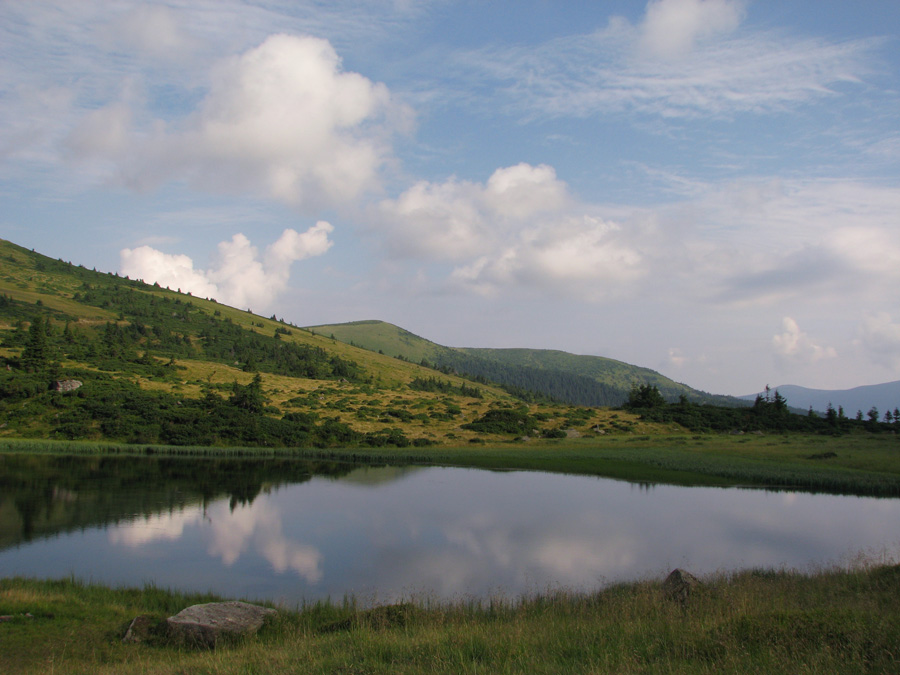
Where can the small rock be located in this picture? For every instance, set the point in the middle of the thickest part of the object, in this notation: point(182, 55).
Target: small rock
point(206, 625)
point(140, 629)
point(679, 585)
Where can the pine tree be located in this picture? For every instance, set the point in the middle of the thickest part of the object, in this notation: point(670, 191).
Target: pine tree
point(35, 356)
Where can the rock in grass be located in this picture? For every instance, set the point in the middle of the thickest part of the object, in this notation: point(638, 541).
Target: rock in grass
point(140, 629)
point(679, 585)
point(208, 625)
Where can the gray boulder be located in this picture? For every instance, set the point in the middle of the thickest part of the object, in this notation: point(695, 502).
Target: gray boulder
point(66, 385)
point(208, 625)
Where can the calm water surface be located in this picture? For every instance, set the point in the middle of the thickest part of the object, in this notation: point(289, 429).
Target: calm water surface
point(289, 533)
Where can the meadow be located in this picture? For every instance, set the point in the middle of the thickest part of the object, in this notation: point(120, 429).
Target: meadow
point(831, 620)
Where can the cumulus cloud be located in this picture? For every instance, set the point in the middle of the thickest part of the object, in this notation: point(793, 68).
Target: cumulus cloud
point(282, 120)
point(880, 337)
point(796, 345)
point(239, 276)
point(520, 227)
point(671, 28)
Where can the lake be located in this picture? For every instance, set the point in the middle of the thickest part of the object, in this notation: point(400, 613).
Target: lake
point(294, 531)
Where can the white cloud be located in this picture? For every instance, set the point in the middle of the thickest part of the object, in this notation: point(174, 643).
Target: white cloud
point(523, 191)
point(156, 30)
point(671, 28)
point(794, 344)
point(575, 255)
point(521, 227)
point(32, 119)
point(751, 242)
point(605, 72)
point(173, 271)
point(762, 241)
point(441, 221)
point(105, 132)
point(880, 338)
point(282, 120)
point(239, 276)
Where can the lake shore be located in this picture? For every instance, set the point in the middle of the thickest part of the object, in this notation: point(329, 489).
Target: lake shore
point(866, 464)
point(830, 620)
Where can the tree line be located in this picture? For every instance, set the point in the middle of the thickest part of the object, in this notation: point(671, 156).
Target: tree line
point(770, 413)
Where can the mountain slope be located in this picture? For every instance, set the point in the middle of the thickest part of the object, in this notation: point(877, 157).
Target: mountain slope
point(92, 356)
point(578, 379)
point(884, 397)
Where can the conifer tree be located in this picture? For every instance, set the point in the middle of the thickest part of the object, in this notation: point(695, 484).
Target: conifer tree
point(35, 356)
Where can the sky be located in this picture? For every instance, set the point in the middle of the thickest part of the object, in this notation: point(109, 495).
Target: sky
point(708, 188)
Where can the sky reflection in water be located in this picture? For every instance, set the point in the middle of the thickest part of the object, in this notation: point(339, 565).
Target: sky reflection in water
point(449, 533)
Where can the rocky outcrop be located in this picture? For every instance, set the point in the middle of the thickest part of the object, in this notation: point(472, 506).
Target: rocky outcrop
point(210, 624)
point(66, 385)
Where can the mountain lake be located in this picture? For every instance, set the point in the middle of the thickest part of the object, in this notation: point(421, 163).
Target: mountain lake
point(297, 531)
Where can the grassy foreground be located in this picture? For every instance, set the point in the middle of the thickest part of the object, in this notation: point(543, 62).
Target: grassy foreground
point(830, 621)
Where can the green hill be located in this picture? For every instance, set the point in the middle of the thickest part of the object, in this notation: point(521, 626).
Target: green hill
point(570, 378)
point(91, 356)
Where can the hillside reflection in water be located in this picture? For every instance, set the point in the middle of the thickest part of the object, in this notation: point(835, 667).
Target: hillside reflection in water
point(382, 534)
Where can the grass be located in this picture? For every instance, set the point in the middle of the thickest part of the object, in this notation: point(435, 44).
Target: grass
point(864, 465)
point(833, 620)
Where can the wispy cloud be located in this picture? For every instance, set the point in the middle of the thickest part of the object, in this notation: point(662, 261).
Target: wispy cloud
point(607, 71)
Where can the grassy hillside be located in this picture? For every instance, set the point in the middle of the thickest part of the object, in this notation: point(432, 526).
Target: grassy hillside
point(571, 378)
point(155, 366)
point(158, 366)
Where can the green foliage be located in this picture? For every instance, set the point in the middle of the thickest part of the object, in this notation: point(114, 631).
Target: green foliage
point(119, 410)
point(504, 421)
point(175, 328)
point(433, 384)
point(35, 356)
point(250, 397)
point(644, 396)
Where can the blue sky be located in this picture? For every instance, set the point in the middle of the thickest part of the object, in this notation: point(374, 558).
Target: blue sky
point(709, 188)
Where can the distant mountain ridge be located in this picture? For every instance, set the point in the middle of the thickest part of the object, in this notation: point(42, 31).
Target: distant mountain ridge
point(884, 397)
point(571, 378)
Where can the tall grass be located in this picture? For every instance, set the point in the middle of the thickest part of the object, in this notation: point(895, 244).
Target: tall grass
point(833, 620)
